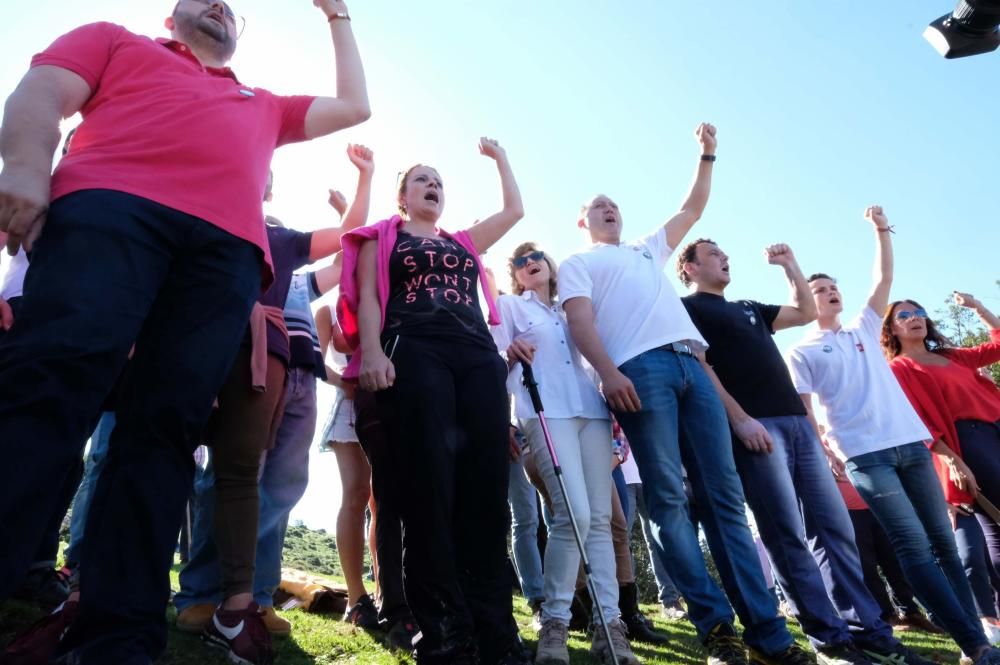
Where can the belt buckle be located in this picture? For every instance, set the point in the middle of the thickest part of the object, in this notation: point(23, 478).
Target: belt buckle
point(682, 348)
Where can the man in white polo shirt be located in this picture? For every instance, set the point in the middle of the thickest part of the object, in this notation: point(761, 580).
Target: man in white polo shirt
point(628, 321)
point(879, 440)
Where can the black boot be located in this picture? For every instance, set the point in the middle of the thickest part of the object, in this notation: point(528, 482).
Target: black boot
point(640, 629)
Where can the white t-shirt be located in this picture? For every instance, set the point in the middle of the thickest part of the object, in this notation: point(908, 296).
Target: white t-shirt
point(866, 410)
point(13, 280)
point(564, 387)
point(635, 306)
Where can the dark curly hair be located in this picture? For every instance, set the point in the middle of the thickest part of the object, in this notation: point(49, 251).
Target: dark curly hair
point(688, 255)
point(521, 250)
point(934, 342)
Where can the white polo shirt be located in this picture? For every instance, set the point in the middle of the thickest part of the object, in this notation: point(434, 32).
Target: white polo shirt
point(12, 285)
point(866, 410)
point(635, 305)
point(567, 391)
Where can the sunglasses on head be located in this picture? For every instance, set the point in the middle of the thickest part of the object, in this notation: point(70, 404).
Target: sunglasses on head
point(904, 314)
point(521, 261)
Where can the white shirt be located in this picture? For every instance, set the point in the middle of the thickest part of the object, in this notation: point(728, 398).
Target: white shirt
point(565, 388)
point(631, 471)
point(635, 306)
point(13, 281)
point(866, 410)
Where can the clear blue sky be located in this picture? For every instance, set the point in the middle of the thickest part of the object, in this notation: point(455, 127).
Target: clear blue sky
point(822, 107)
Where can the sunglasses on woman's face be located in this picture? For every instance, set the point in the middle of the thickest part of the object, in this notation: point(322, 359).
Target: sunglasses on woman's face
point(904, 314)
point(522, 261)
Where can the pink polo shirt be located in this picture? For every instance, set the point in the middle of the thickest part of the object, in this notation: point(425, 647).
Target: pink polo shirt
point(161, 126)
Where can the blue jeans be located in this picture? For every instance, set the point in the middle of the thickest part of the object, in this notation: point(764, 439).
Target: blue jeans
point(283, 481)
point(827, 594)
point(523, 501)
point(96, 457)
point(682, 420)
point(902, 490)
point(975, 559)
point(667, 593)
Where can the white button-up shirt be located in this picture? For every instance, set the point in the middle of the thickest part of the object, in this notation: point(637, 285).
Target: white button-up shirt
point(567, 391)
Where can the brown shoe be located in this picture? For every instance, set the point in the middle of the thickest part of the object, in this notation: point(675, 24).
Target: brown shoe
point(195, 618)
point(276, 625)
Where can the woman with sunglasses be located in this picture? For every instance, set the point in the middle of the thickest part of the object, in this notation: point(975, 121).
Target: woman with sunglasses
point(533, 330)
point(961, 409)
point(409, 309)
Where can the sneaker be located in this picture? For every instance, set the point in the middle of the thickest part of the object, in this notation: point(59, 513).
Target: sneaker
point(673, 611)
point(992, 629)
point(45, 587)
point(195, 618)
point(793, 655)
point(619, 640)
point(724, 646)
point(552, 643)
point(275, 624)
point(897, 655)
point(403, 634)
point(241, 634)
point(363, 614)
point(841, 654)
point(40, 640)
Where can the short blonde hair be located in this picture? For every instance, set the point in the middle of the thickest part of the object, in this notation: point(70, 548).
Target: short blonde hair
point(521, 250)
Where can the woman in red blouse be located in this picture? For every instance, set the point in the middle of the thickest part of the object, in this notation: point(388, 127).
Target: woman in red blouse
point(961, 408)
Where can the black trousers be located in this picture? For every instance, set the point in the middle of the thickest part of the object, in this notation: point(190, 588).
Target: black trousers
point(876, 552)
point(447, 420)
point(388, 527)
point(110, 270)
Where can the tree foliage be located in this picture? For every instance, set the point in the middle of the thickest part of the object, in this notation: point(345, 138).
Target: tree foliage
point(964, 328)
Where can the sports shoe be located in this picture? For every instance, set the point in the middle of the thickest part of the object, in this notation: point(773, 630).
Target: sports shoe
point(241, 634)
point(275, 624)
point(403, 634)
point(673, 611)
point(841, 654)
point(619, 640)
point(363, 614)
point(195, 618)
point(724, 646)
point(45, 587)
point(898, 655)
point(552, 643)
point(41, 639)
point(793, 655)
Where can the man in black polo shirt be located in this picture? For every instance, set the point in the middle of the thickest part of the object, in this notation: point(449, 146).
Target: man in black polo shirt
point(782, 463)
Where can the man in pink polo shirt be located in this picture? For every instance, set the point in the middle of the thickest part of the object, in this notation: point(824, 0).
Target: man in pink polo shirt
point(149, 232)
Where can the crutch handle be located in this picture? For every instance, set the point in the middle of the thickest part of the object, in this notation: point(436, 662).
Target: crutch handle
point(532, 386)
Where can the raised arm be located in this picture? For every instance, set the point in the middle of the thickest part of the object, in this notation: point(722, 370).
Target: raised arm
point(491, 229)
point(802, 309)
point(350, 107)
point(326, 242)
point(694, 205)
point(991, 320)
point(28, 139)
point(617, 387)
point(882, 271)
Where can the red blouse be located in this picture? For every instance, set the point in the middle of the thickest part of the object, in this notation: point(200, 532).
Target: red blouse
point(942, 395)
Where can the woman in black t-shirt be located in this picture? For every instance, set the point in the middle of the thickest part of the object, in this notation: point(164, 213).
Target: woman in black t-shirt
point(428, 353)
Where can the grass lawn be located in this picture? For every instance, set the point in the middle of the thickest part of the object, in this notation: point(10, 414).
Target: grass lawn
point(323, 639)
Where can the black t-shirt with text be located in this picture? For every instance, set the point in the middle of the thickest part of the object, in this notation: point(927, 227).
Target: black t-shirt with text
point(433, 292)
point(743, 354)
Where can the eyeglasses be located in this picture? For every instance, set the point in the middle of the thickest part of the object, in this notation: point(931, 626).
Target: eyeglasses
point(238, 21)
point(521, 261)
point(904, 314)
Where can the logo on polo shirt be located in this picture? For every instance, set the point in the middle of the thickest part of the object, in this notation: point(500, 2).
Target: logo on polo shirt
point(827, 348)
point(645, 253)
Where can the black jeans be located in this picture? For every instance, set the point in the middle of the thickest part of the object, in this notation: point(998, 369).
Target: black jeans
point(876, 551)
point(111, 270)
point(388, 527)
point(447, 418)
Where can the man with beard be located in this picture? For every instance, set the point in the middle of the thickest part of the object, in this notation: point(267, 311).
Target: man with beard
point(153, 236)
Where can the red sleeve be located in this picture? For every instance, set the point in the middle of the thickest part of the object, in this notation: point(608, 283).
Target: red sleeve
point(84, 51)
point(978, 356)
point(293, 118)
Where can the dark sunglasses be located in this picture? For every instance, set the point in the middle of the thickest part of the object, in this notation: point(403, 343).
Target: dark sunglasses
point(521, 261)
point(904, 314)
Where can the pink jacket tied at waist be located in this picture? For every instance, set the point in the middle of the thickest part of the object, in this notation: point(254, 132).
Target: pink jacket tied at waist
point(260, 315)
point(384, 233)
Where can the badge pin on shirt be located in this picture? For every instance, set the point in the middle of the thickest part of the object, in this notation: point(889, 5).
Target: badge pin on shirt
point(246, 93)
point(750, 316)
